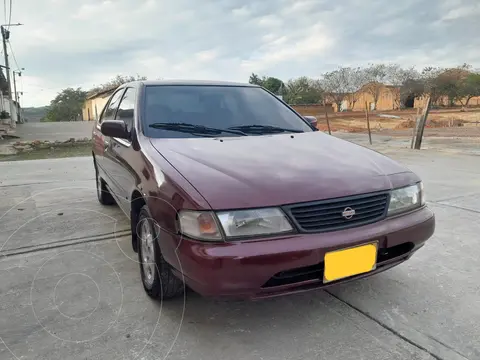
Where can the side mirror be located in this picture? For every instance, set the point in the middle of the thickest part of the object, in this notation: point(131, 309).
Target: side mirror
point(115, 128)
point(312, 120)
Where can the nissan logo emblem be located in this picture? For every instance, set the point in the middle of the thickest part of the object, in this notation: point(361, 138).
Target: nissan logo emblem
point(348, 213)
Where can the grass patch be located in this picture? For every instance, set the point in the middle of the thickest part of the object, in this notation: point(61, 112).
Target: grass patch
point(55, 153)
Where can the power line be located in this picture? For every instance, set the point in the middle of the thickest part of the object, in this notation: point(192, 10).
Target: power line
point(13, 55)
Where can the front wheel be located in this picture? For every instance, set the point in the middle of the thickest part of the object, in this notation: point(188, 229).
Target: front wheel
point(157, 277)
point(103, 194)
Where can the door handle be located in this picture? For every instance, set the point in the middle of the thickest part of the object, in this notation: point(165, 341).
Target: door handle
point(105, 144)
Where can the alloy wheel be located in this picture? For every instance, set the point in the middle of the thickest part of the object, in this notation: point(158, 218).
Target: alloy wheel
point(147, 253)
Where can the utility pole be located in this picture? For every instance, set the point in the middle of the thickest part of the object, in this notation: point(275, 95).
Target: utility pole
point(15, 86)
point(326, 116)
point(368, 123)
point(5, 37)
point(421, 125)
point(15, 92)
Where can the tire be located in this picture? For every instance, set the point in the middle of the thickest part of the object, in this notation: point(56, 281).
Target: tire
point(103, 194)
point(157, 276)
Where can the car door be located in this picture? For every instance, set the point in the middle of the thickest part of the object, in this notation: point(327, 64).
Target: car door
point(99, 142)
point(122, 153)
point(107, 161)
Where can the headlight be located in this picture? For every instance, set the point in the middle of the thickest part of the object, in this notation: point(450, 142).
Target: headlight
point(267, 221)
point(199, 225)
point(406, 199)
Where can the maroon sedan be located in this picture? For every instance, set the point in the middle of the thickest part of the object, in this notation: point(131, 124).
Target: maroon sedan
point(231, 192)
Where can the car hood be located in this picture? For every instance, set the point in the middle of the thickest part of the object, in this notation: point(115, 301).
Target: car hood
point(256, 171)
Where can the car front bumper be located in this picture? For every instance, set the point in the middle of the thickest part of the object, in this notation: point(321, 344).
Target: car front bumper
point(290, 264)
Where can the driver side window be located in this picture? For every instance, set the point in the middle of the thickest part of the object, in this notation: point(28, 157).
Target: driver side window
point(111, 108)
point(125, 111)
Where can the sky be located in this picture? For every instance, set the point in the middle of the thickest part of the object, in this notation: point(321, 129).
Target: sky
point(82, 43)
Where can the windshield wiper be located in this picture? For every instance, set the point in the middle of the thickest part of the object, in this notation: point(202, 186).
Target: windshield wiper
point(195, 129)
point(263, 129)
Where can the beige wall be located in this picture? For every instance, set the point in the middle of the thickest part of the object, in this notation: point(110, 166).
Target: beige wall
point(443, 101)
point(92, 108)
point(87, 110)
point(385, 101)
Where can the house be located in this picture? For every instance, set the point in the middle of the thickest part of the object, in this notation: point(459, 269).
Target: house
point(9, 108)
point(448, 78)
point(95, 103)
point(444, 101)
point(388, 98)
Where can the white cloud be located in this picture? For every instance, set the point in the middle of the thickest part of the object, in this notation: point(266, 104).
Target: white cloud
point(391, 27)
point(206, 55)
point(312, 41)
point(81, 43)
point(269, 21)
point(241, 12)
point(461, 12)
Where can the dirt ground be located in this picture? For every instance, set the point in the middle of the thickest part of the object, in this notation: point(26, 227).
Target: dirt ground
point(444, 122)
point(444, 132)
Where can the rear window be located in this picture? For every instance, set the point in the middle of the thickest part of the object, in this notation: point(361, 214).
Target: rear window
point(215, 106)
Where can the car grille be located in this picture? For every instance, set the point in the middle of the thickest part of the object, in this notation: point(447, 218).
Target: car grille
point(327, 215)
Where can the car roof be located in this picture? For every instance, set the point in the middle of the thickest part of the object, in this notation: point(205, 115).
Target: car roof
point(190, 82)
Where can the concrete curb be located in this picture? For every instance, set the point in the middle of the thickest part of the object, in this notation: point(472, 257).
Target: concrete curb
point(13, 148)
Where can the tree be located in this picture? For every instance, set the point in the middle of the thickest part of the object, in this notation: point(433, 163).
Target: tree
point(255, 80)
point(303, 91)
point(450, 83)
point(356, 80)
point(273, 84)
point(470, 88)
point(336, 85)
point(270, 83)
point(66, 106)
point(397, 77)
point(116, 82)
point(344, 83)
point(375, 76)
point(429, 77)
point(411, 88)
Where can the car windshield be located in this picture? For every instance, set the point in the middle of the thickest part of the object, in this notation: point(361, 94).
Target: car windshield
point(240, 109)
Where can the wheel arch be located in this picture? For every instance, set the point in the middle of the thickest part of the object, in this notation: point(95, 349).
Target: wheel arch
point(137, 202)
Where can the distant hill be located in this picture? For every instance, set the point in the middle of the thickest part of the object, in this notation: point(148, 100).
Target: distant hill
point(34, 114)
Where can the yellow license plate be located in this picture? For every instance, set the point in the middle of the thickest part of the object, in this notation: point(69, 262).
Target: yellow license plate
point(344, 263)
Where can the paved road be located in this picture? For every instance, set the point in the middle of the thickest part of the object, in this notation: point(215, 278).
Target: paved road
point(70, 287)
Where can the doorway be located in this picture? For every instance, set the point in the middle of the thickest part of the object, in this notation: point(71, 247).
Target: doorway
point(409, 101)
